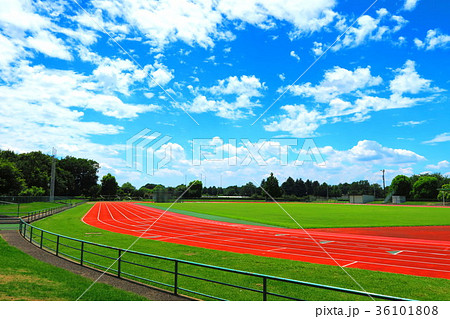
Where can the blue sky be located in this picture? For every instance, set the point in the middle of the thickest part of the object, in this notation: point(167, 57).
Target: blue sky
point(86, 76)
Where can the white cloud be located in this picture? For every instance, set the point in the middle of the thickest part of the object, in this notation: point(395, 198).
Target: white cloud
point(294, 55)
point(369, 28)
point(9, 51)
point(46, 43)
point(36, 85)
point(246, 85)
point(298, 121)
point(410, 123)
point(202, 22)
point(439, 166)
point(231, 98)
point(25, 32)
point(161, 75)
point(349, 95)
point(434, 39)
point(444, 137)
point(336, 82)
point(305, 16)
point(318, 48)
point(282, 76)
point(408, 80)
point(18, 16)
point(410, 4)
point(115, 75)
point(240, 108)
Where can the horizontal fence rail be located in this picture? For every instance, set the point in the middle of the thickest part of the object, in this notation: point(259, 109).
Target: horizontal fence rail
point(180, 276)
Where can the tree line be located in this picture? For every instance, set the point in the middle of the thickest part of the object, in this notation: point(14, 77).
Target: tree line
point(29, 174)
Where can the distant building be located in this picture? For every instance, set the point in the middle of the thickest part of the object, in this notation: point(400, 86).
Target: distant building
point(361, 199)
point(398, 199)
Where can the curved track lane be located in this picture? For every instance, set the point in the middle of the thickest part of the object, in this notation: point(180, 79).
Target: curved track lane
point(420, 257)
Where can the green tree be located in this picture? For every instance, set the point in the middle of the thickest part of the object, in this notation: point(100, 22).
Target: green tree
point(35, 168)
point(426, 187)
point(271, 186)
point(300, 188)
point(444, 195)
point(195, 191)
point(401, 185)
point(248, 189)
point(84, 174)
point(64, 182)
point(180, 189)
point(33, 191)
point(94, 191)
point(360, 188)
point(109, 185)
point(143, 192)
point(11, 181)
point(308, 187)
point(288, 187)
point(231, 191)
point(128, 189)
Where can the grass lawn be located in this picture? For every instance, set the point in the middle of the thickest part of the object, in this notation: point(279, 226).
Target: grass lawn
point(320, 215)
point(28, 207)
point(414, 287)
point(25, 278)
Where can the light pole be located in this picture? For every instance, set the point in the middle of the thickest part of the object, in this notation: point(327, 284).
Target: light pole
point(384, 183)
point(53, 175)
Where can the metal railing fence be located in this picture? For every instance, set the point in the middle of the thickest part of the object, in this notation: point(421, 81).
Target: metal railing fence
point(180, 276)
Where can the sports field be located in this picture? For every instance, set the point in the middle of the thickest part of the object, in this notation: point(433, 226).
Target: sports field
point(318, 215)
point(415, 287)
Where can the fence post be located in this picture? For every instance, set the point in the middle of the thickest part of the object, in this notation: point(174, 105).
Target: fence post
point(42, 239)
point(264, 289)
point(57, 245)
point(31, 234)
point(82, 253)
point(175, 284)
point(119, 263)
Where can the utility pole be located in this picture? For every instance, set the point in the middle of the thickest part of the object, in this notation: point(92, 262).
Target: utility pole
point(53, 175)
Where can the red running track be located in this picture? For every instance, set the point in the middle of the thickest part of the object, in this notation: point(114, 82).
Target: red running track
point(420, 257)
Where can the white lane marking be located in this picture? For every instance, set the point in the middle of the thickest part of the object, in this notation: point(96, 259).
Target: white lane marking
point(395, 252)
point(281, 248)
